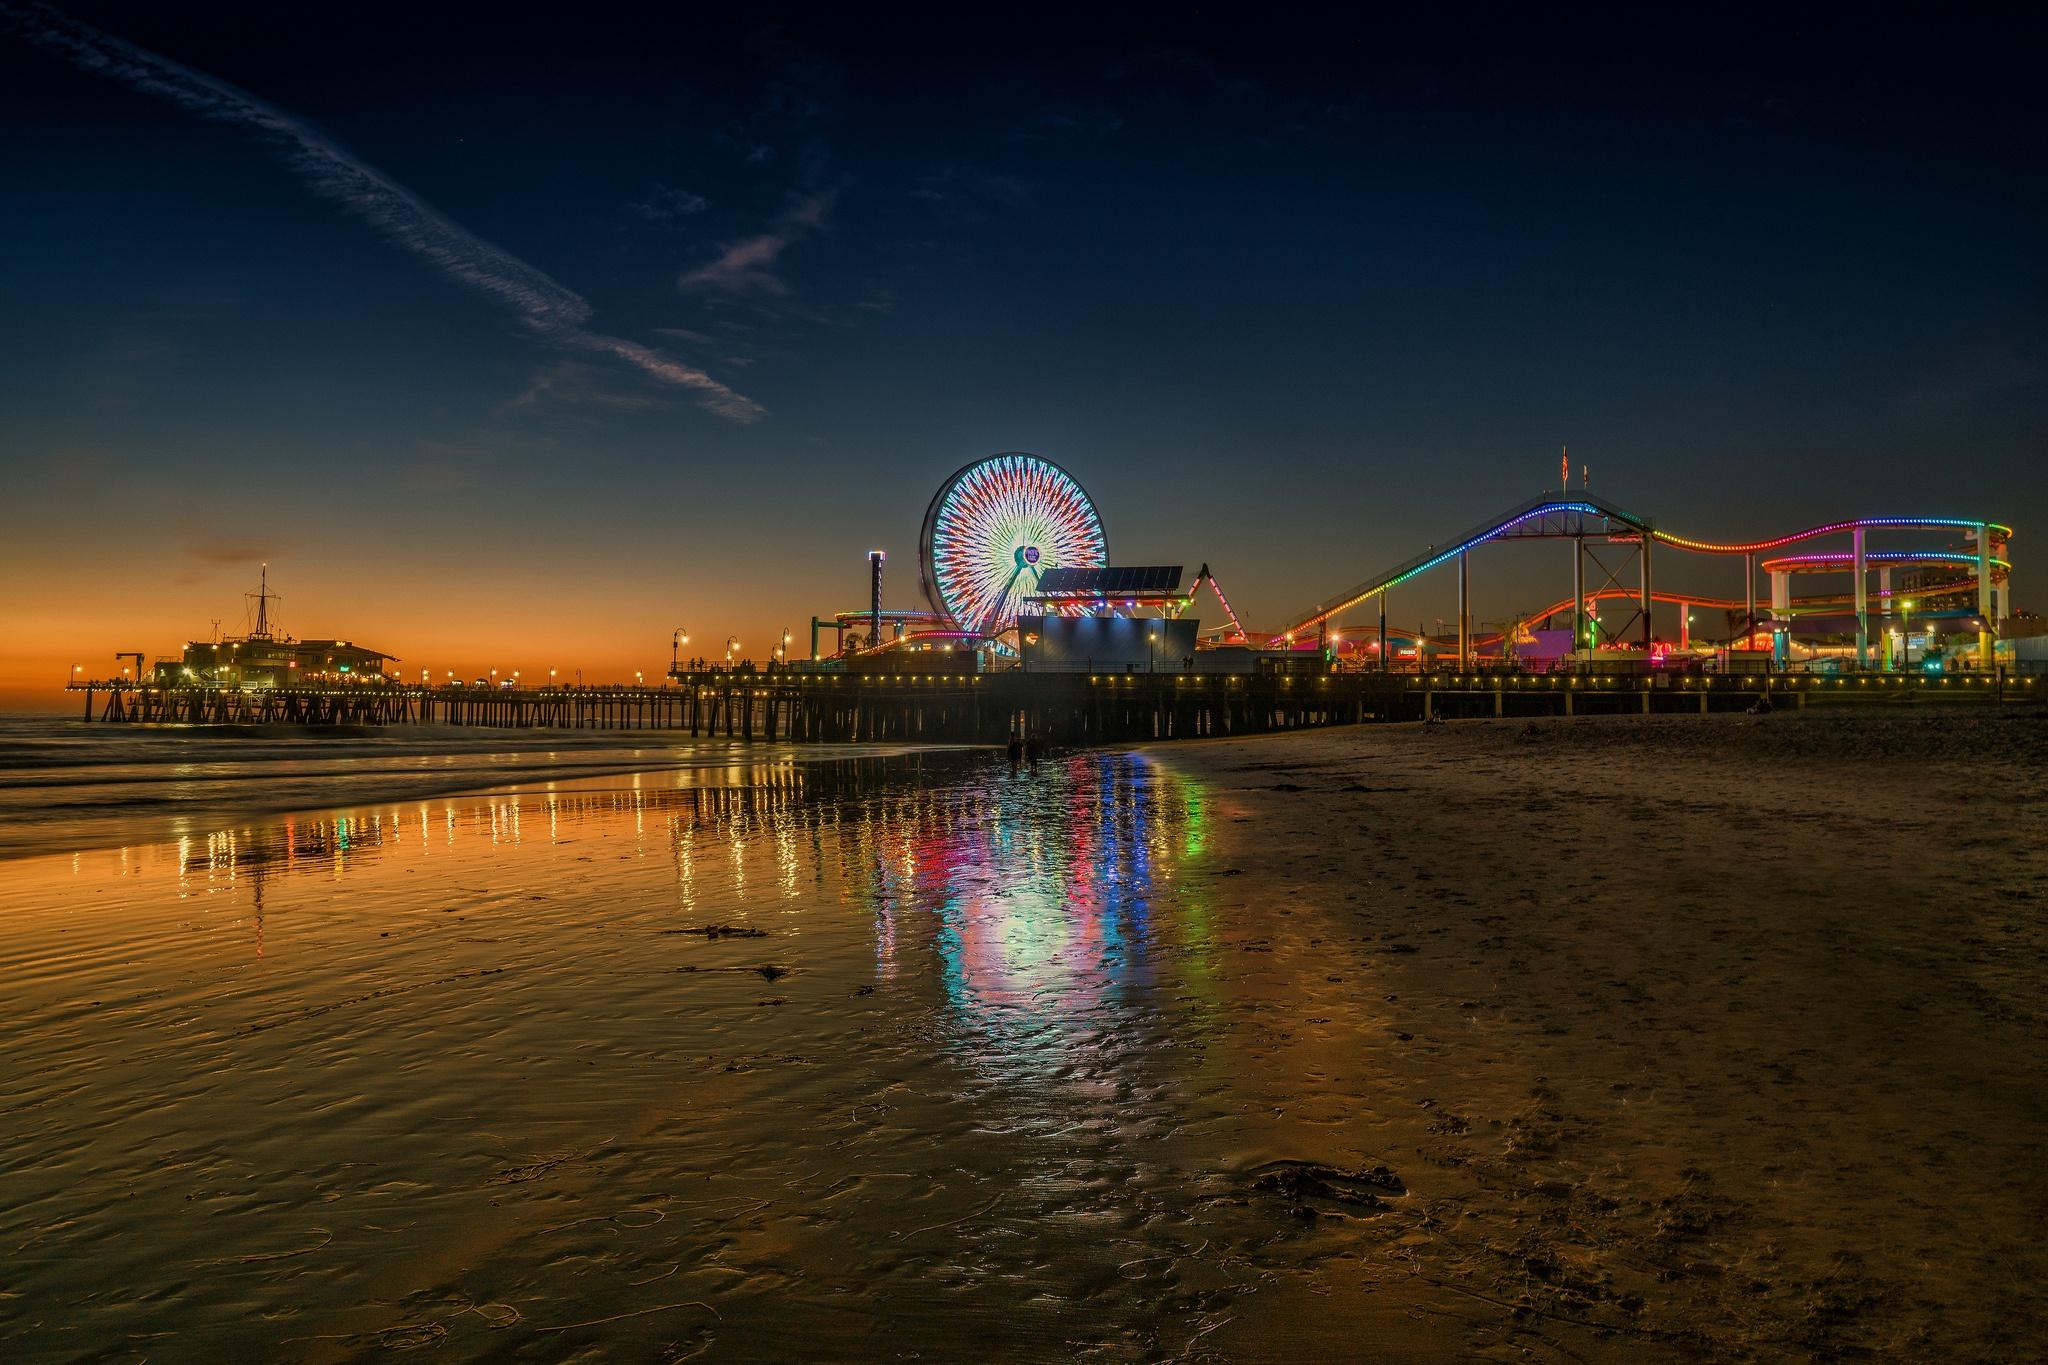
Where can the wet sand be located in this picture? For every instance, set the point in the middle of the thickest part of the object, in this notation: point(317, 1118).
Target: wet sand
point(1616, 1040)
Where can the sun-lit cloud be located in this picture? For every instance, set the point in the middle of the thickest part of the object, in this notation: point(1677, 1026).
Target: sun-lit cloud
point(545, 308)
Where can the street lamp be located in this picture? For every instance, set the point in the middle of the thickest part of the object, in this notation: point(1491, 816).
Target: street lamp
point(732, 643)
point(1151, 648)
point(676, 642)
point(1905, 636)
point(639, 677)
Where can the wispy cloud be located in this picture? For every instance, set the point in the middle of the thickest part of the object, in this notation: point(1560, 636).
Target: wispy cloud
point(668, 205)
point(554, 314)
point(578, 384)
point(747, 266)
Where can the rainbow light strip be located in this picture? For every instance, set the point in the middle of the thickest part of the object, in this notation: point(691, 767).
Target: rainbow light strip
point(1831, 558)
point(1861, 523)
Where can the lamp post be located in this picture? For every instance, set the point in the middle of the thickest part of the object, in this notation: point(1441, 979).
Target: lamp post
point(1152, 648)
point(1905, 637)
point(675, 645)
point(732, 643)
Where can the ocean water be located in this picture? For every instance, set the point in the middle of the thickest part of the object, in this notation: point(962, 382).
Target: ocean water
point(69, 784)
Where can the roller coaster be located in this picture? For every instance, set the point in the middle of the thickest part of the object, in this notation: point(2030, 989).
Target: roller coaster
point(1599, 530)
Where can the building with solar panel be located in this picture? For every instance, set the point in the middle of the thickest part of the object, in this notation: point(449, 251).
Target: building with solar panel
point(1094, 620)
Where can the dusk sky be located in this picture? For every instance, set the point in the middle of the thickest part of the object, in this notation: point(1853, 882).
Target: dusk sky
point(517, 342)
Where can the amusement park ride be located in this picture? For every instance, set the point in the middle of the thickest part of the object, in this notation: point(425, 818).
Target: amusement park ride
point(1015, 534)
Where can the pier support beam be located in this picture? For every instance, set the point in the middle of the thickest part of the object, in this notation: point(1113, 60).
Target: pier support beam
point(1383, 630)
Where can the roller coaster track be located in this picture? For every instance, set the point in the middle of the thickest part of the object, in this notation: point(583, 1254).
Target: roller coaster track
point(1565, 515)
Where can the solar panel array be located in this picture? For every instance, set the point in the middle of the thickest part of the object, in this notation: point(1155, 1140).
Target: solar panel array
point(1151, 580)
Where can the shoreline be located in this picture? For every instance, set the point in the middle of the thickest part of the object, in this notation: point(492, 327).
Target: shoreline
point(58, 802)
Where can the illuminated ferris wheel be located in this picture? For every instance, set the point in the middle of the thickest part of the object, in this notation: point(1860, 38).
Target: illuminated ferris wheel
point(994, 529)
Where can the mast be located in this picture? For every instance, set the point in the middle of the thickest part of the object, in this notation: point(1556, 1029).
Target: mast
point(264, 597)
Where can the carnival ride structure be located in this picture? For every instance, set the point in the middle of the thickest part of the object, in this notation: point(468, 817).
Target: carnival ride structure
point(1598, 528)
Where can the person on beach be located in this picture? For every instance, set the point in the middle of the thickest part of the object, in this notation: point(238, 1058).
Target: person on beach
point(1016, 747)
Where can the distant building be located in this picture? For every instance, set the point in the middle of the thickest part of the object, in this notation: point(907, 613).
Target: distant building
point(252, 662)
point(266, 658)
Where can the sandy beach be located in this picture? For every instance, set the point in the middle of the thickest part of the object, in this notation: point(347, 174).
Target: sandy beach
point(1683, 1039)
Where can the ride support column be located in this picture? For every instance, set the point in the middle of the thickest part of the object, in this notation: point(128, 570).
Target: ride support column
point(1862, 603)
point(1781, 616)
point(1578, 593)
point(1887, 650)
point(1985, 653)
point(1464, 613)
point(1647, 599)
point(1749, 617)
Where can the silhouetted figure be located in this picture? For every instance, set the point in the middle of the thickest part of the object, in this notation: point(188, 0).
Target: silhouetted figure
point(1031, 749)
point(1016, 747)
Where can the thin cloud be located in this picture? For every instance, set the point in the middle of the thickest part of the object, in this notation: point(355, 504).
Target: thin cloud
point(669, 205)
point(748, 265)
point(551, 312)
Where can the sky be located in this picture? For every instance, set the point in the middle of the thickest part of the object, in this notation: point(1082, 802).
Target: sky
point(518, 342)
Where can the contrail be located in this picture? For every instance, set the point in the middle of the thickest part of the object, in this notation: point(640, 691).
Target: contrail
point(545, 308)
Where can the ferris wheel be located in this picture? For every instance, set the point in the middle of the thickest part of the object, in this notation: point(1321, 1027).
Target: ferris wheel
point(994, 529)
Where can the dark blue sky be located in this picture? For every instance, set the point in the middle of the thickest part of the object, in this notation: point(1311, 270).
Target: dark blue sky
point(699, 311)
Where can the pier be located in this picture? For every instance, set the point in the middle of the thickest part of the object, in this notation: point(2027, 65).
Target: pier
point(1107, 708)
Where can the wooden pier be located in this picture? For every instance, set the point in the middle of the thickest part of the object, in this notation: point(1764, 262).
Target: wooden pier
point(986, 709)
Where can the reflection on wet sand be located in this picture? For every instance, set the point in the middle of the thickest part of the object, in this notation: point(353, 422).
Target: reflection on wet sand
point(856, 1055)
